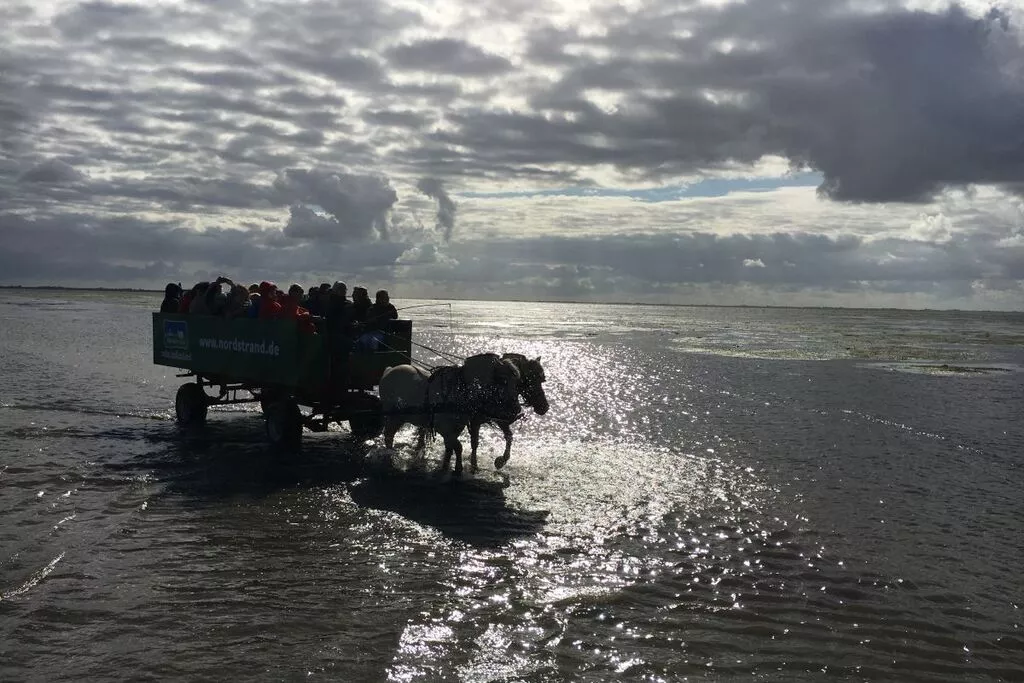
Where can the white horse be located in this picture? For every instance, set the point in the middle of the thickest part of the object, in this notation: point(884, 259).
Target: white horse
point(444, 400)
point(531, 388)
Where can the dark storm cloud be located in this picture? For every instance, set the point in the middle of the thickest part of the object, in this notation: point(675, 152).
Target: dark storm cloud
point(14, 116)
point(128, 249)
point(176, 193)
point(447, 55)
point(889, 106)
point(51, 171)
point(398, 118)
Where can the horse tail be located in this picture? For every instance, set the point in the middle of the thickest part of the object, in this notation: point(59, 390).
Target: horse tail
point(429, 407)
point(428, 427)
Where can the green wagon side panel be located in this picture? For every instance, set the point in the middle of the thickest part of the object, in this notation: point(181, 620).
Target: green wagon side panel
point(261, 351)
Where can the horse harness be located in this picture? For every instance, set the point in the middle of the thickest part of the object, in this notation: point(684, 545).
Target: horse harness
point(454, 393)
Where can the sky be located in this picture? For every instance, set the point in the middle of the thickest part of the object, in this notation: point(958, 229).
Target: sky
point(790, 152)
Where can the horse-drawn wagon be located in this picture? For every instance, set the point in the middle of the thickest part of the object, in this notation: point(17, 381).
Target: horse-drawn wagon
point(274, 363)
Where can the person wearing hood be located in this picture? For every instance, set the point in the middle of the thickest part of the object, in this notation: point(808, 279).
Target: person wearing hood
point(185, 303)
point(198, 306)
point(172, 298)
point(252, 310)
point(291, 309)
point(270, 307)
point(377, 318)
point(339, 321)
point(339, 308)
point(360, 304)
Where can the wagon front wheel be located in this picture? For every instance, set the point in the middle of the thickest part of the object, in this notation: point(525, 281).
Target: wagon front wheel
point(190, 404)
point(284, 424)
point(366, 427)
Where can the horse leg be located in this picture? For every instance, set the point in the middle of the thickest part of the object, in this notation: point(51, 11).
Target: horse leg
point(457, 446)
point(391, 426)
point(474, 441)
point(446, 462)
point(450, 433)
point(506, 429)
point(421, 439)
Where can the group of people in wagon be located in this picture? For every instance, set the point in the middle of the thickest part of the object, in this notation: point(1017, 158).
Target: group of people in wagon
point(359, 319)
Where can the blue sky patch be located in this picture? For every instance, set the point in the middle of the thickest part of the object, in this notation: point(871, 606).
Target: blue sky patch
point(710, 187)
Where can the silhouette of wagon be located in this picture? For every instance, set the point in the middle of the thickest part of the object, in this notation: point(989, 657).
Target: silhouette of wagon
point(271, 362)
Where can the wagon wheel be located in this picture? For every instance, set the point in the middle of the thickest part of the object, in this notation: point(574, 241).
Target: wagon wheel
point(267, 397)
point(368, 423)
point(190, 404)
point(284, 423)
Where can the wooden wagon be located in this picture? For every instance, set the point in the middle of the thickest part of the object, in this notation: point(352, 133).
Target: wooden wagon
point(245, 360)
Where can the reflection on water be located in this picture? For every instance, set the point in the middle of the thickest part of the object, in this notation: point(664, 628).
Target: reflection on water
point(675, 514)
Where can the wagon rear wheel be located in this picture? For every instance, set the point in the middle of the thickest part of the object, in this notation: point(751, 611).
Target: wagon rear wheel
point(368, 422)
point(284, 423)
point(269, 396)
point(190, 404)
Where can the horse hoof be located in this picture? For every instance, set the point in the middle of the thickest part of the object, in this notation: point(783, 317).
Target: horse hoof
point(500, 462)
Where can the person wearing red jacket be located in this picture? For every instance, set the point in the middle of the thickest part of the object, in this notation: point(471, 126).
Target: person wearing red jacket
point(292, 310)
point(270, 307)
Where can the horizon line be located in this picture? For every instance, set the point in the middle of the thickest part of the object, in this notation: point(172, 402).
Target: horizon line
point(137, 290)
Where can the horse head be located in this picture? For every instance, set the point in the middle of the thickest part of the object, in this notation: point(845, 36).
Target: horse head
point(493, 385)
point(531, 383)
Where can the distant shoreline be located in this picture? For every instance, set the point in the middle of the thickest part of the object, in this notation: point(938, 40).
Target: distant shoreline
point(57, 288)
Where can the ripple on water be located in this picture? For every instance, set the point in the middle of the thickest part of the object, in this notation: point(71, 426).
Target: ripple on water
point(608, 512)
point(661, 563)
point(674, 514)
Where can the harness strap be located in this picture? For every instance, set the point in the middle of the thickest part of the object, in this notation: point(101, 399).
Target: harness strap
point(452, 389)
point(455, 398)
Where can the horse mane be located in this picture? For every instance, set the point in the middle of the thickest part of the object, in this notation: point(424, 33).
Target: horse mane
point(526, 366)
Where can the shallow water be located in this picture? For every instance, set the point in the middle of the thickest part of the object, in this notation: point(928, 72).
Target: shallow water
point(731, 494)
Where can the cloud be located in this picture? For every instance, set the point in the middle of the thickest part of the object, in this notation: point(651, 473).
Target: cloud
point(447, 55)
point(52, 171)
point(398, 118)
point(434, 188)
point(138, 251)
point(357, 206)
point(136, 139)
point(891, 105)
point(424, 254)
point(980, 262)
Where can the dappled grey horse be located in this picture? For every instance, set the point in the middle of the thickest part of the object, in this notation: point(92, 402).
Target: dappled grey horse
point(443, 401)
point(531, 388)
